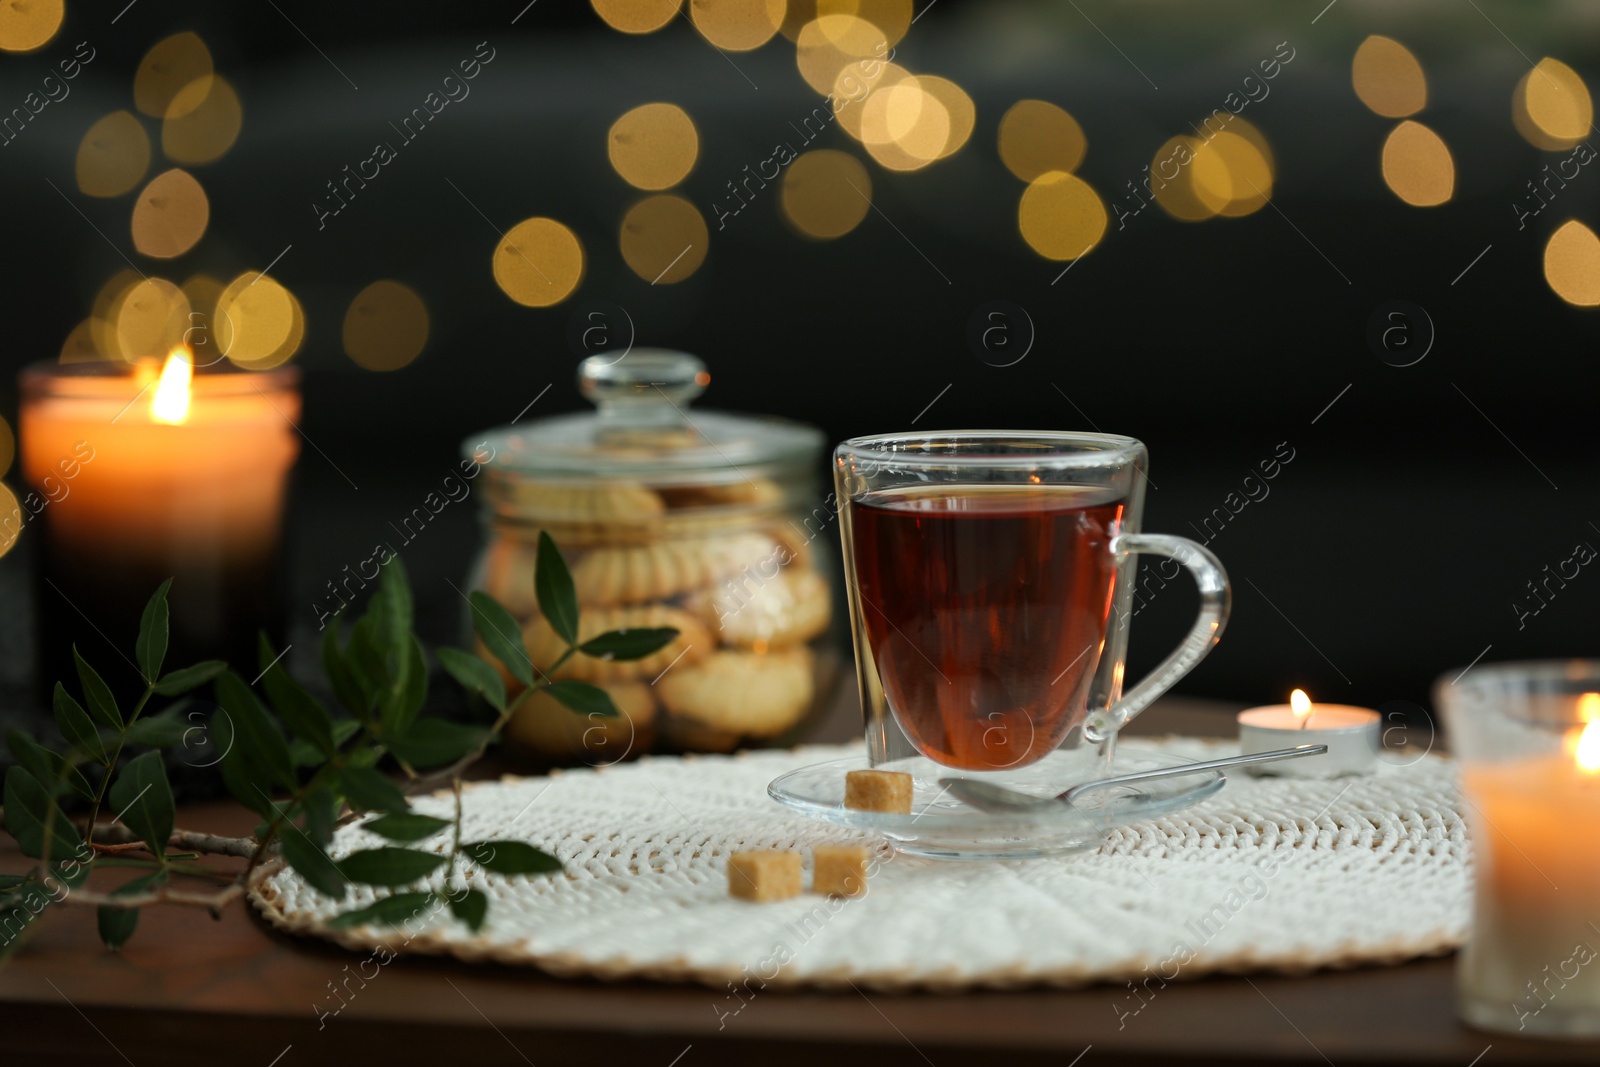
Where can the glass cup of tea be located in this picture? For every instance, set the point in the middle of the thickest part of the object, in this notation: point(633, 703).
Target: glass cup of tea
point(991, 583)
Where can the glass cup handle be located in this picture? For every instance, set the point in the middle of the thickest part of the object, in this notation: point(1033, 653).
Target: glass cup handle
point(1215, 602)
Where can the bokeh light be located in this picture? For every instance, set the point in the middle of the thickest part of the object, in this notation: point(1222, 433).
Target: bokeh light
point(386, 327)
point(174, 77)
point(1417, 165)
point(854, 87)
point(1572, 264)
point(79, 347)
point(1551, 106)
point(1172, 180)
point(255, 322)
point(105, 309)
point(737, 25)
point(664, 239)
point(203, 291)
point(1060, 216)
point(653, 146)
point(636, 16)
point(151, 319)
point(907, 123)
point(113, 156)
point(10, 519)
point(1037, 137)
point(958, 107)
point(1388, 78)
point(1232, 171)
point(170, 216)
point(831, 43)
point(8, 447)
point(29, 24)
point(826, 193)
point(203, 133)
point(539, 262)
point(893, 17)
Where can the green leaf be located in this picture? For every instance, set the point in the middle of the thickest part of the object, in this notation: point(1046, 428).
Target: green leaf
point(474, 675)
point(498, 630)
point(401, 705)
point(368, 789)
point(165, 728)
point(583, 698)
point(552, 584)
point(182, 680)
point(366, 660)
point(391, 610)
point(28, 806)
point(46, 766)
point(635, 643)
point(301, 712)
point(512, 857)
point(151, 648)
point(143, 801)
point(390, 865)
point(433, 742)
point(471, 907)
point(102, 705)
point(311, 863)
point(256, 732)
point(322, 810)
point(390, 911)
point(76, 727)
point(411, 826)
point(118, 924)
point(344, 730)
point(340, 676)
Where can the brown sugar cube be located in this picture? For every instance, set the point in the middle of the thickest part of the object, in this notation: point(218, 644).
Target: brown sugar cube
point(839, 870)
point(878, 791)
point(764, 875)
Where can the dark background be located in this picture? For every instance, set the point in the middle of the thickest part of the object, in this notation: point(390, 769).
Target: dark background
point(1389, 550)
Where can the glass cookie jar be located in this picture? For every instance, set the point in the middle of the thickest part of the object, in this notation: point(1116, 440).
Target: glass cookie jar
point(707, 522)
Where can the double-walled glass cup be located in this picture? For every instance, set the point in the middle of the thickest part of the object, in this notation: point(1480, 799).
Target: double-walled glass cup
point(991, 580)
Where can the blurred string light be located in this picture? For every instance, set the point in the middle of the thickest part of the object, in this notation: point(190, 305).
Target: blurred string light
point(636, 16)
point(827, 45)
point(539, 262)
point(79, 347)
point(1060, 216)
point(1551, 107)
point(737, 25)
point(653, 146)
point(1388, 78)
point(664, 239)
point(151, 319)
point(826, 193)
point(8, 447)
point(1227, 172)
point(171, 215)
point(386, 327)
point(1572, 264)
point(1417, 165)
point(258, 323)
point(904, 121)
point(113, 156)
point(892, 17)
point(10, 519)
point(1037, 137)
point(203, 133)
point(29, 24)
point(174, 78)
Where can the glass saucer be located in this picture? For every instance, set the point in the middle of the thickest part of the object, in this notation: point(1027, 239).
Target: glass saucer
point(942, 827)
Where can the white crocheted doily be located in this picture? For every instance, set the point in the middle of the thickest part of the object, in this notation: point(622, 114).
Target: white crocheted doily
point(1269, 874)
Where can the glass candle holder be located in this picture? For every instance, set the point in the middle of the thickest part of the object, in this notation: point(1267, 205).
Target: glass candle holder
point(1528, 738)
point(136, 479)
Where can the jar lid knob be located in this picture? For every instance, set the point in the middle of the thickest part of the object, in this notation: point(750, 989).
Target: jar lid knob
point(645, 387)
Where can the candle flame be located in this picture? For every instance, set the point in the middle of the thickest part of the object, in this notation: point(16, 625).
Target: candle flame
point(171, 402)
point(1300, 704)
point(1588, 752)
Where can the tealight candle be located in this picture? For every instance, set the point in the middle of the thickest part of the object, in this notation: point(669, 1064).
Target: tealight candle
point(1351, 734)
point(1529, 747)
point(138, 478)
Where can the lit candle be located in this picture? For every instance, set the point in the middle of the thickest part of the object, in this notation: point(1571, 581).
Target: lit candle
point(1351, 734)
point(1533, 962)
point(142, 476)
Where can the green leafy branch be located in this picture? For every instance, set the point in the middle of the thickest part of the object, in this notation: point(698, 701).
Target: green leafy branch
point(302, 767)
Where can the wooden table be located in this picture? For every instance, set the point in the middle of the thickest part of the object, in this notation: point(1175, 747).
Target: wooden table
point(189, 989)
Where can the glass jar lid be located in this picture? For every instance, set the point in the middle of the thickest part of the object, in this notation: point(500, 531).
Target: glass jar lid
point(643, 429)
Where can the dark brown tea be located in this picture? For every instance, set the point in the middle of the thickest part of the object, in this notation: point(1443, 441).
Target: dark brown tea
point(985, 607)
